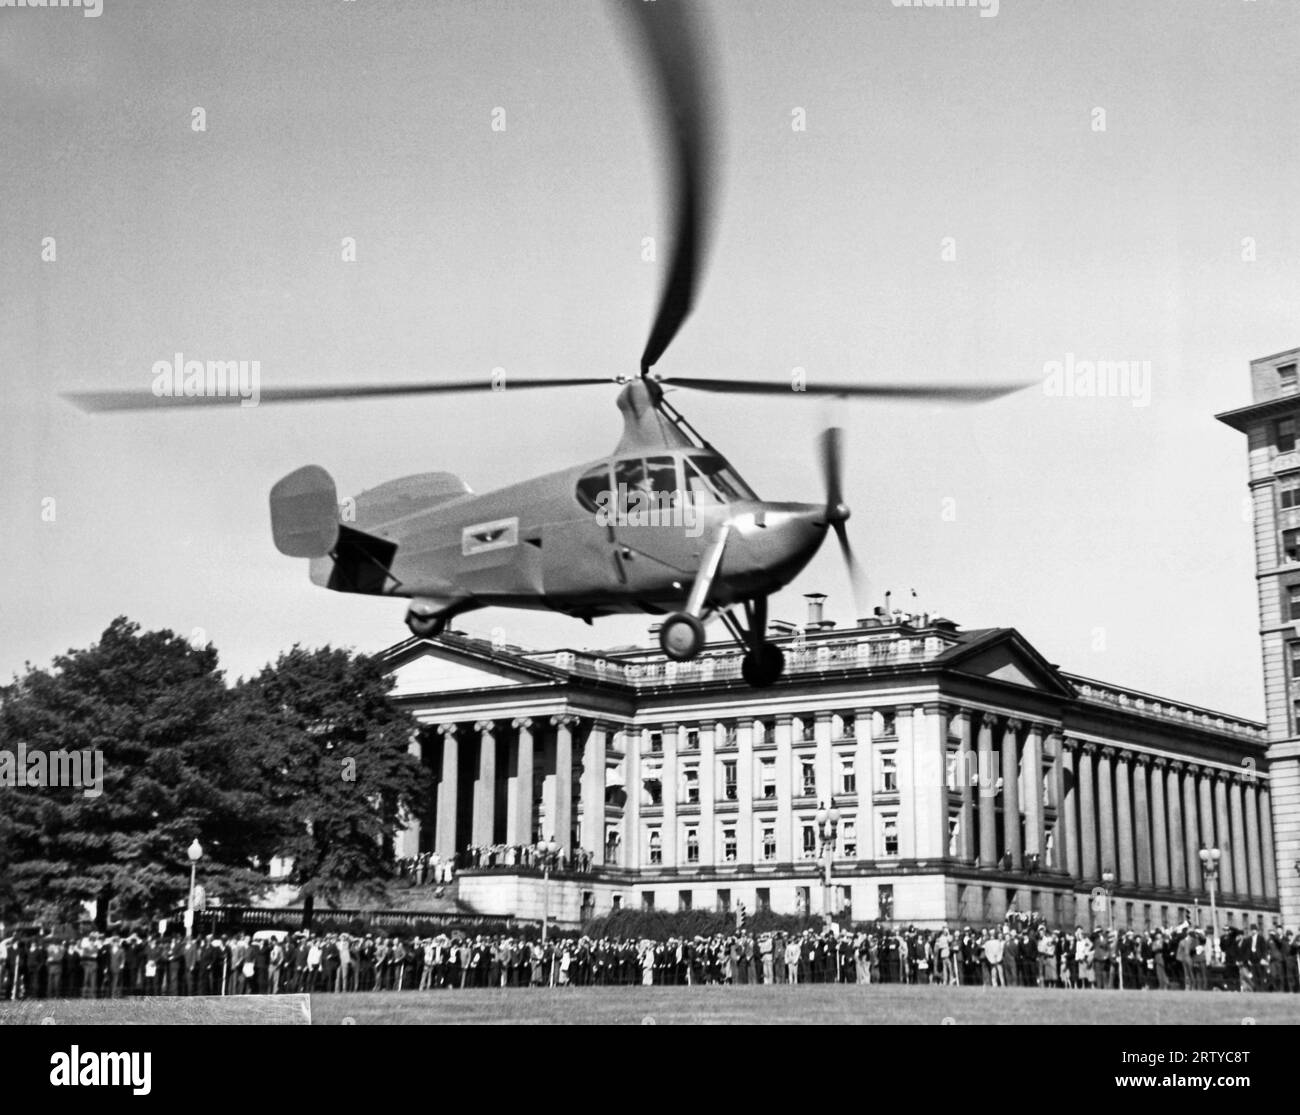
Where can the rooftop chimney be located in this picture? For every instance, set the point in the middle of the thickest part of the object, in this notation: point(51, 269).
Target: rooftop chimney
point(815, 602)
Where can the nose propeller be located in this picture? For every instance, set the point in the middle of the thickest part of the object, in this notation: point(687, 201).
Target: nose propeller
point(837, 513)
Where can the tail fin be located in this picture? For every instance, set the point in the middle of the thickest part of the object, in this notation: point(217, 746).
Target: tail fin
point(305, 513)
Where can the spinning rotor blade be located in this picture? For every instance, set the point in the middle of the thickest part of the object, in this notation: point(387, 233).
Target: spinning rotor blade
point(943, 392)
point(837, 513)
point(678, 70)
point(98, 401)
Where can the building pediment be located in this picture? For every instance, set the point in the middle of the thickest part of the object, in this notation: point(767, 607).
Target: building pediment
point(446, 666)
point(1004, 655)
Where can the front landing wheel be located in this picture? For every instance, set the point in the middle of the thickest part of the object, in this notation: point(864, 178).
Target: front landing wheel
point(681, 636)
point(425, 627)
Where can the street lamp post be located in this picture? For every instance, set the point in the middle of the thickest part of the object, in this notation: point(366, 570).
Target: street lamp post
point(195, 852)
point(1210, 869)
point(1108, 877)
point(828, 823)
point(547, 849)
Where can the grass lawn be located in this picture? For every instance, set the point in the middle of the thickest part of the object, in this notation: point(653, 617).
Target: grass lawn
point(668, 1006)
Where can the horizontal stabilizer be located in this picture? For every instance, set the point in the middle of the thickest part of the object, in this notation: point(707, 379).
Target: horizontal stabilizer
point(305, 513)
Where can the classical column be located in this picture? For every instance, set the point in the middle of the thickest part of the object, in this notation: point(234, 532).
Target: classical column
point(1088, 812)
point(785, 776)
point(824, 758)
point(1223, 832)
point(1250, 790)
point(634, 741)
point(966, 770)
point(1068, 806)
point(445, 835)
point(668, 835)
point(593, 789)
point(1034, 843)
point(1209, 838)
point(1266, 841)
point(1195, 807)
point(1159, 832)
point(1127, 867)
point(408, 840)
point(905, 729)
point(864, 722)
point(929, 782)
point(710, 733)
point(1177, 845)
point(564, 726)
point(485, 787)
point(1011, 844)
point(988, 791)
point(1240, 870)
point(1106, 810)
point(745, 791)
point(1142, 819)
point(519, 823)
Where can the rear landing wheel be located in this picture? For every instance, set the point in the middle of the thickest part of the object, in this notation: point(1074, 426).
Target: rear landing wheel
point(681, 636)
point(762, 667)
point(425, 627)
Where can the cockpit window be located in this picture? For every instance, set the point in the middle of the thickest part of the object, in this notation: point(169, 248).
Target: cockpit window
point(654, 476)
point(710, 479)
point(593, 485)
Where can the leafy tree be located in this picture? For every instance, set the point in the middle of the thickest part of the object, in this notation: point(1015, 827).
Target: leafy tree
point(175, 767)
point(334, 750)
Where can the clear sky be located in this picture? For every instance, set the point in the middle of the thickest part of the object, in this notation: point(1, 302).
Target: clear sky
point(1111, 534)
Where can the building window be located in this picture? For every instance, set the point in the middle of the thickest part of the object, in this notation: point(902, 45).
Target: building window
point(724, 900)
point(951, 777)
point(806, 733)
point(617, 902)
point(809, 777)
point(729, 779)
point(612, 843)
point(1288, 492)
point(654, 787)
point(691, 778)
point(887, 774)
point(692, 845)
point(656, 847)
point(849, 727)
point(954, 834)
point(1284, 429)
point(728, 735)
point(763, 899)
point(803, 900)
point(889, 834)
point(767, 773)
point(849, 839)
point(692, 739)
point(809, 842)
point(647, 900)
point(1291, 545)
point(889, 722)
point(848, 775)
point(1293, 601)
point(1293, 649)
point(1286, 379)
point(886, 901)
point(759, 733)
point(729, 845)
point(683, 900)
point(656, 743)
point(769, 843)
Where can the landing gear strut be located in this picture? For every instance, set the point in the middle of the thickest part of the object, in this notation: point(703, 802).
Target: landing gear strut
point(763, 663)
point(681, 635)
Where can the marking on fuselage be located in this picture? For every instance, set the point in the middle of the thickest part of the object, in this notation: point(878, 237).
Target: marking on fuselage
point(500, 534)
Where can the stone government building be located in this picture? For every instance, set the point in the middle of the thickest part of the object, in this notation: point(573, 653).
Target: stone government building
point(971, 776)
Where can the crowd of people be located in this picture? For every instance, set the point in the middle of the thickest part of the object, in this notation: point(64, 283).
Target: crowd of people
point(432, 869)
point(1022, 952)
